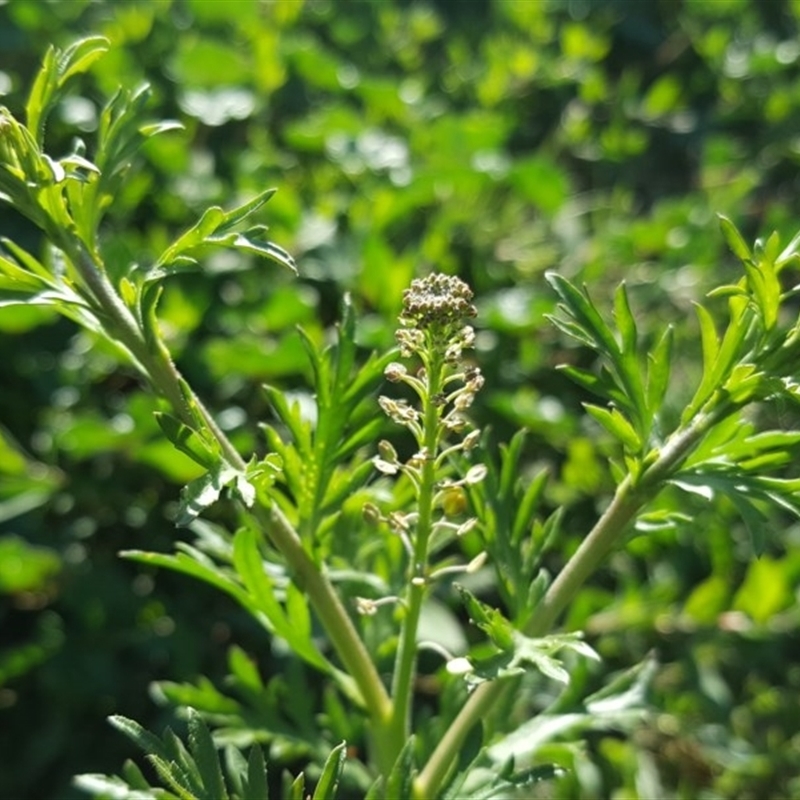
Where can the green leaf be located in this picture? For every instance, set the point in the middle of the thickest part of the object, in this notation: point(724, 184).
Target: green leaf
point(530, 653)
point(148, 742)
point(488, 619)
point(528, 505)
point(620, 705)
point(328, 784)
point(182, 562)
point(617, 426)
point(734, 239)
point(57, 68)
point(625, 321)
point(206, 757)
point(718, 358)
point(297, 789)
point(242, 212)
point(187, 440)
point(175, 776)
point(210, 220)
point(399, 783)
point(250, 568)
point(658, 369)
point(579, 305)
point(762, 280)
point(244, 669)
point(204, 491)
point(257, 787)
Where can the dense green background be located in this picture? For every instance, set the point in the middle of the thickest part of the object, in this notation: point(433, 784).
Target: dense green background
point(495, 140)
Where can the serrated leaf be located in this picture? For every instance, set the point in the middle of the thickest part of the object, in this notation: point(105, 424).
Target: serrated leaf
point(265, 249)
point(620, 705)
point(206, 758)
point(538, 653)
point(236, 771)
point(175, 776)
point(528, 505)
point(148, 742)
point(328, 784)
point(257, 787)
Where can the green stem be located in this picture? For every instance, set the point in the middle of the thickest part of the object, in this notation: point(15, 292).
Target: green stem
point(406, 660)
point(627, 502)
point(163, 375)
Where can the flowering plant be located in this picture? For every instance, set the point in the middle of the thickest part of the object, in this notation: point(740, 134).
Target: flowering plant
point(443, 522)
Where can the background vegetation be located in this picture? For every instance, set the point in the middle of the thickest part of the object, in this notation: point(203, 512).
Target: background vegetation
point(493, 140)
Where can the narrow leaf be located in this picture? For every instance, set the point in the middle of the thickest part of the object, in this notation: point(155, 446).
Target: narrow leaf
point(250, 567)
point(186, 440)
point(328, 783)
point(734, 239)
point(240, 213)
point(206, 757)
point(257, 788)
point(658, 369)
point(616, 425)
point(148, 742)
point(624, 318)
point(585, 314)
point(399, 781)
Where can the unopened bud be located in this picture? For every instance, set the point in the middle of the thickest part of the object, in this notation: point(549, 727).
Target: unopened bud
point(395, 372)
point(371, 513)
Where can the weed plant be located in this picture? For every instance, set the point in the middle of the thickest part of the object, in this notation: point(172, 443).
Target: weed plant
point(439, 512)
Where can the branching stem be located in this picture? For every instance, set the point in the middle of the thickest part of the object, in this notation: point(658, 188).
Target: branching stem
point(609, 529)
point(160, 370)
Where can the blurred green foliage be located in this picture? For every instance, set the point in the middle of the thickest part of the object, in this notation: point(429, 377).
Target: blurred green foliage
point(494, 139)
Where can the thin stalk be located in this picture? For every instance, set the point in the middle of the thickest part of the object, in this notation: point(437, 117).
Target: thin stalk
point(406, 660)
point(163, 375)
point(609, 529)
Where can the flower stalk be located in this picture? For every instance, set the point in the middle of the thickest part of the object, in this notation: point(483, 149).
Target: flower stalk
point(433, 331)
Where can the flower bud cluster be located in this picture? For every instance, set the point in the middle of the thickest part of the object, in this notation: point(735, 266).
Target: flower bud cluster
point(433, 331)
point(439, 304)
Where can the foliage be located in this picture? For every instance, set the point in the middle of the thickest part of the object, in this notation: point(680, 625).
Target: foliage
point(518, 139)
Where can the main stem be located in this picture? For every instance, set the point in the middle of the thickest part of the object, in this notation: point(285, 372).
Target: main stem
point(628, 500)
point(166, 380)
point(406, 660)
